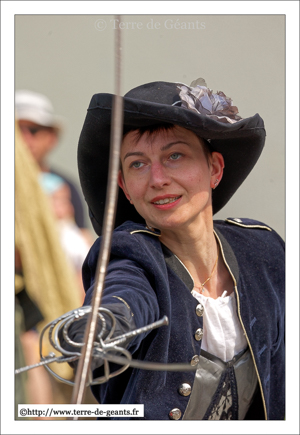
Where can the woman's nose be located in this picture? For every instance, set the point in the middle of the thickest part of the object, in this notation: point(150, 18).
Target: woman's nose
point(159, 176)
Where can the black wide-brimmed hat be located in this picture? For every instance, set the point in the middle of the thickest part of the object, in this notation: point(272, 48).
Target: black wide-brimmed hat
point(210, 116)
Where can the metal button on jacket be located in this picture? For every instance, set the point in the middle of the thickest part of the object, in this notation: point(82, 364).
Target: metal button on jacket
point(199, 310)
point(199, 334)
point(175, 414)
point(185, 389)
point(195, 360)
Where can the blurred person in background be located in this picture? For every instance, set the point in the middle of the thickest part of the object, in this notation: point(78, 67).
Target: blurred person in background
point(73, 242)
point(41, 129)
point(46, 285)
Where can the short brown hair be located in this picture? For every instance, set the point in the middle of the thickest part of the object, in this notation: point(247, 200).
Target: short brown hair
point(151, 130)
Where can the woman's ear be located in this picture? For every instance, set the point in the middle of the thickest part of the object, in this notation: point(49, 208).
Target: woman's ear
point(122, 185)
point(217, 166)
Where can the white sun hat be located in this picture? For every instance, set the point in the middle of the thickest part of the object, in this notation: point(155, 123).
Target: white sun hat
point(36, 107)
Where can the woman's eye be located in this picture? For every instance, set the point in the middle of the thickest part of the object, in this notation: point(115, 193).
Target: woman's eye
point(136, 165)
point(175, 156)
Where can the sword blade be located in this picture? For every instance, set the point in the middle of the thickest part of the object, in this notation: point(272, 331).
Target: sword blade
point(108, 226)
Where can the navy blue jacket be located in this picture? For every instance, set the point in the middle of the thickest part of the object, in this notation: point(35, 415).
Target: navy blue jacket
point(151, 282)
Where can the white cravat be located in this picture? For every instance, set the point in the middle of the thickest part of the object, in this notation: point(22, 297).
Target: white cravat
point(223, 335)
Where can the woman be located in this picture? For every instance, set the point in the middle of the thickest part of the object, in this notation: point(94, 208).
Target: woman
point(185, 151)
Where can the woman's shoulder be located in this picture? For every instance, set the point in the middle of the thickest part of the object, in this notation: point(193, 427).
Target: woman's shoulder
point(235, 229)
point(131, 240)
point(244, 223)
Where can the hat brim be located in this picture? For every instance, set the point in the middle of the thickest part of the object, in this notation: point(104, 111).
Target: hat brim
point(240, 144)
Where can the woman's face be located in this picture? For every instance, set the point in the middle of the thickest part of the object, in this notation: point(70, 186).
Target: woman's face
point(167, 177)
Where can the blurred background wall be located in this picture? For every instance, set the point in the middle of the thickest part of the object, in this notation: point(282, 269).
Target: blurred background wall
point(71, 57)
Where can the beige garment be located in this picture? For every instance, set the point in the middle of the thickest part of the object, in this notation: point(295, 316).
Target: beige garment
point(50, 280)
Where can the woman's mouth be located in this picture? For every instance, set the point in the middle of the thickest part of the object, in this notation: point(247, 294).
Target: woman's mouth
point(167, 201)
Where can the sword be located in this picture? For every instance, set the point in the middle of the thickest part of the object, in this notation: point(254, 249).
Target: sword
point(108, 349)
point(108, 226)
